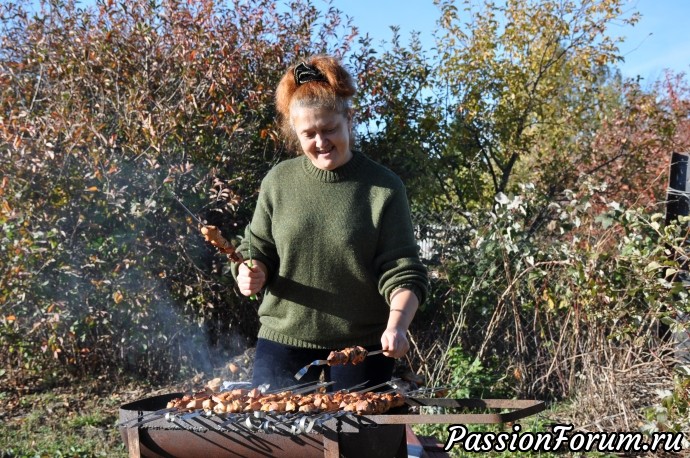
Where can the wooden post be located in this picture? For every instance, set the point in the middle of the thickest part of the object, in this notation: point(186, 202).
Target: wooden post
point(678, 194)
point(677, 205)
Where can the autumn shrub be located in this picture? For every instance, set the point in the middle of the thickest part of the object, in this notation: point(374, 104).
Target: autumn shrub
point(632, 148)
point(108, 114)
point(545, 307)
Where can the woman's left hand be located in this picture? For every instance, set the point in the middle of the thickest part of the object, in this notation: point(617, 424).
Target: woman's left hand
point(404, 304)
point(394, 342)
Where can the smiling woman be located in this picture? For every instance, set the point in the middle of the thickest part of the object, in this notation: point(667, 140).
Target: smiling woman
point(335, 252)
point(324, 136)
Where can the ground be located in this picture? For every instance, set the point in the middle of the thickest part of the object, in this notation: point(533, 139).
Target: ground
point(68, 420)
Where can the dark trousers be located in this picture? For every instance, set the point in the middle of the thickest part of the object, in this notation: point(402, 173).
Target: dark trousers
point(277, 364)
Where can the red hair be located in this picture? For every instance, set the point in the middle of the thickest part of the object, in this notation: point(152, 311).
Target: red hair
point(333, 94)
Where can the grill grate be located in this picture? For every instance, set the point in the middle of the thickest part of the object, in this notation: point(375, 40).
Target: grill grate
point(328, 435)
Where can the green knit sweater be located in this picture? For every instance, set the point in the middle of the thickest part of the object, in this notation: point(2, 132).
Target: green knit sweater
point(336, 244)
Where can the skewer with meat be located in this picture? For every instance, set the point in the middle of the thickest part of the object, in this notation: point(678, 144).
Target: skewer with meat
point(351, 355)
point(373, 403)
point(368, 403)
point(213, 236)
point(246, 401)
point(189, 402)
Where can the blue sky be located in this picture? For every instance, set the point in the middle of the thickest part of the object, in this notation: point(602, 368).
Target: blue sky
point(660, 40)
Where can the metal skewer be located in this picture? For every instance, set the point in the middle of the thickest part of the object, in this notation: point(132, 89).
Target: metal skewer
point(151, 416)
point(353, 387)
point(317, 362)
point(314, 388)
point(293, 387)
point(320, 362)
point(429, 391)
point(390, 383)
point(375, 352)
point(196, 218)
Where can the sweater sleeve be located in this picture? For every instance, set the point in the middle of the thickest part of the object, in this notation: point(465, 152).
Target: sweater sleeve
point(397, 259)
point(260, 234)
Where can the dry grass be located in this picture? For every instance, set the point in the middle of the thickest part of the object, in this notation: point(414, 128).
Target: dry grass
point(617, 383)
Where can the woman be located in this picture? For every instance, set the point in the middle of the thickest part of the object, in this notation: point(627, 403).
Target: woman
point(331, 242)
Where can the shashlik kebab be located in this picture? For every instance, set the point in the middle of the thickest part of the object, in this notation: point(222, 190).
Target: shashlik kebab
point(350, 355)
point(245, 401)
point(212, 235)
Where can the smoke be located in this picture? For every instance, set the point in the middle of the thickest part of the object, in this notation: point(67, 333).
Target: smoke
point(128, 284)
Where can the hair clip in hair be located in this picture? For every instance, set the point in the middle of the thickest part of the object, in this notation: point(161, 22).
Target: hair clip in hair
point(305, 73)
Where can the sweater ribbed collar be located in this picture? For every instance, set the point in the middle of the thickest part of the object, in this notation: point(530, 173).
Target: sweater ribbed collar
point(342, 173)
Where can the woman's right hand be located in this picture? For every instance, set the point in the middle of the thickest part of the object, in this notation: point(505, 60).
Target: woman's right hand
point(251, 280)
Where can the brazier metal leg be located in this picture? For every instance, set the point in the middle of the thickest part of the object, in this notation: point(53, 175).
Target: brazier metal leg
point(133, 443)
point(331, 448)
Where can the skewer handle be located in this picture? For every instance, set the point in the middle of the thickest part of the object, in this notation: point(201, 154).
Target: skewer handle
point(316, 362)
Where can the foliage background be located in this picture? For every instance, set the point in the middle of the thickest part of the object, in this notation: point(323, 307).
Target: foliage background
point(537, 176)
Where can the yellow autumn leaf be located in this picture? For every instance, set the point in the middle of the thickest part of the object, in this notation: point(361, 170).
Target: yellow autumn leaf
point(550, 303)
point(549, 300)
point(117, 297)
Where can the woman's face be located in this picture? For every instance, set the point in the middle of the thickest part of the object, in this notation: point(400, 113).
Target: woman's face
point(324, 136)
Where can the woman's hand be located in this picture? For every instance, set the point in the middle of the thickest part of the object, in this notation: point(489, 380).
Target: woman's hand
point(251, 280)
point(394, 342)
point(404, 304)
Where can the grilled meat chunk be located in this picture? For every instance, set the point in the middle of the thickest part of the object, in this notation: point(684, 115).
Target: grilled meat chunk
point(238, 401)
point(351, 355)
